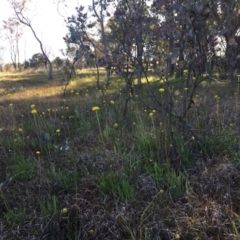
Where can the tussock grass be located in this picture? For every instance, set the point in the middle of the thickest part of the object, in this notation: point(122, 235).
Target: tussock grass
point(68, 172)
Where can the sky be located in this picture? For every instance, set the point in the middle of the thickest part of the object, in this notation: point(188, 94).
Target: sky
point(47, 23)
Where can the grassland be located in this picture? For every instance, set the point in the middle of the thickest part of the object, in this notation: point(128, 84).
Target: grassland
point(68, 172)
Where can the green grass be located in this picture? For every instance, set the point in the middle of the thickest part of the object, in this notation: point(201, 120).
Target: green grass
point(68, 172)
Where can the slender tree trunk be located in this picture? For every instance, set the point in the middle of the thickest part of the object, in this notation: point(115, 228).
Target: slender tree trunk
point(104, 39)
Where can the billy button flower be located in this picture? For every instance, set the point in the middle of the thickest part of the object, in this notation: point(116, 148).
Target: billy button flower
point(64, 210)
point(115, 125)
point(32, 106)
point(161, 90)
point(96, 109)
point(34, 111)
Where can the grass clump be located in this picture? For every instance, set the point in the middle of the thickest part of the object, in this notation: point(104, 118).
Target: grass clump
point(118, 186)
point(22, 169)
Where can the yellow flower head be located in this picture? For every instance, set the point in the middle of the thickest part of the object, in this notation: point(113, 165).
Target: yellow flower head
point(161, 90)
point(185, 88)
point(58, 131)
point(38, 152)
point(151, 114)
point(153, 111)
point(9, 94)
point(193, 78)
point(33, 106)
point(20, 129)
point(64, 210)
point(95, 109)
point(216, 97)
point(10, 105)
point(112, 102)
point(115, 125)
point(177, 236)
point(34, 111)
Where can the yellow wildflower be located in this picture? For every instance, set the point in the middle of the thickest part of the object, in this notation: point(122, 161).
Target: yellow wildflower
point(115, 125)
point(37, 152)
point(58, 131)
point(161, 90)
point(151, 114)
point(64, 210)
point(32, 106)
point(112, 102)
point(177, 236)
point(34, 111)
point(20, 129)
point(94, 109)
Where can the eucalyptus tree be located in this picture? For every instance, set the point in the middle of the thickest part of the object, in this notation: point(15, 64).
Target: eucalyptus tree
point(82, 30)
point(20, 10)
point(13, 32)
point(226, 15)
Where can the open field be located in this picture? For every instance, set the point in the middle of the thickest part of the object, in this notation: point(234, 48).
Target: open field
point(68, 172)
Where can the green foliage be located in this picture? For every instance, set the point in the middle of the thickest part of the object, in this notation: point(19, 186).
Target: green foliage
point(220, 142)
point(15, 216)
point(49, 208)
point(146, 141)
point(116, 185)
point(22, 169)
point(134, 166)
point(173, 181)
point(65, 179)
